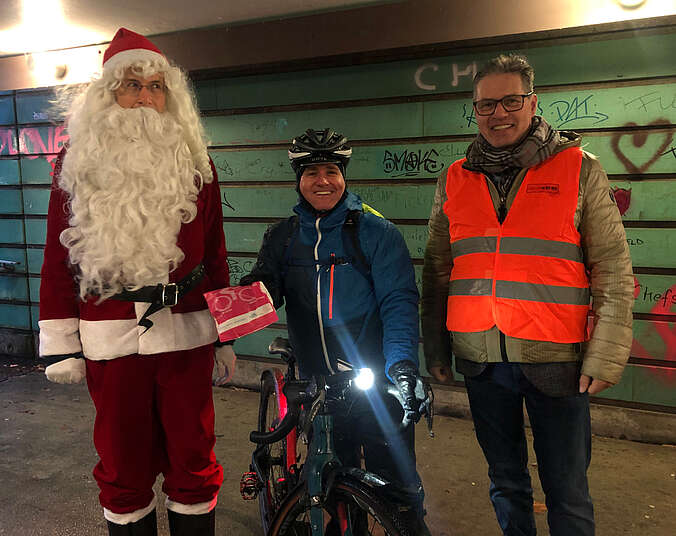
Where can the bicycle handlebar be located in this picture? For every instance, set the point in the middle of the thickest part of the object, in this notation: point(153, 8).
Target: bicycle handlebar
point(279, 433)
point(298, 392)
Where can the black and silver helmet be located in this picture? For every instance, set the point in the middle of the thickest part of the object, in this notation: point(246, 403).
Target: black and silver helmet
point(319, 147)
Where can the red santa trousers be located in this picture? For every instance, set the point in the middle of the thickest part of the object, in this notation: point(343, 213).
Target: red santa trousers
point(154, 414)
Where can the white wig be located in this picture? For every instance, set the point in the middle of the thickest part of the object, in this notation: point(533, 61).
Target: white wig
point(100, 94)
point(132, 177)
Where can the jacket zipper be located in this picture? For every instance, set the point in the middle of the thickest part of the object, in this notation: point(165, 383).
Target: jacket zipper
point(502, 209)
point(319, 298)
point(502, 214)
point(333, 265)
point(503, 346)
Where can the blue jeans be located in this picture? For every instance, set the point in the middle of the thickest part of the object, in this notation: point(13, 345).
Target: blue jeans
point(562, 442)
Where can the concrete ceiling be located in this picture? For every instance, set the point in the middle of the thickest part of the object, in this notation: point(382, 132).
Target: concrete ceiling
point(38, 25)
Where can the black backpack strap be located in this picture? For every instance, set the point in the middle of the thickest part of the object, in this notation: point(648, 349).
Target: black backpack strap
point(353, 245)
point(290, 235)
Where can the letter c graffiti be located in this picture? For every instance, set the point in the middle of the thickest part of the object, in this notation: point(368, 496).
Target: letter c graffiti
point(418, 76)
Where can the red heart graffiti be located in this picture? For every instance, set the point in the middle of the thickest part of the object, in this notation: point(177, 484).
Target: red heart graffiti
point(638, 139)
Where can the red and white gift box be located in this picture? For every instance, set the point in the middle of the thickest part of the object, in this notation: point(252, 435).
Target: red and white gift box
point(239, 311)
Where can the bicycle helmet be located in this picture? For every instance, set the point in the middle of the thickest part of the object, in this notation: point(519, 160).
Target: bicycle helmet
point(319, 147)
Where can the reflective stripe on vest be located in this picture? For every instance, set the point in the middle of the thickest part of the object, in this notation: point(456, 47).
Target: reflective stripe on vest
point(527, 275)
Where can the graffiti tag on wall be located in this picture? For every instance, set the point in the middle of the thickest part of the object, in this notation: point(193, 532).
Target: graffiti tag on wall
point(34, 142)
point(410, 162)
point(428, 82)
point(565, 111)
point(665, 303)
point(638, 140)
point(239, 268)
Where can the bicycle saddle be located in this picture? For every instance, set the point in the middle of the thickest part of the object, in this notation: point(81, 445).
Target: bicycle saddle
point(281, 346)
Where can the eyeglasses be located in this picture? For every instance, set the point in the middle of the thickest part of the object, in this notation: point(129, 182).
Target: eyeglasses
point(133, 87)
point(511, 103)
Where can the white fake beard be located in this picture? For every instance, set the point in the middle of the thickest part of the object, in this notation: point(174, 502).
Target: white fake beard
point(132, 183)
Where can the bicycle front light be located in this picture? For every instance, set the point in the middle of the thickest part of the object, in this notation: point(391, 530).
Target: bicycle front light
point(364, 380)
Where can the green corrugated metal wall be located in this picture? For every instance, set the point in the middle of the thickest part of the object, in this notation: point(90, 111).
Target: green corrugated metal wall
point(407, 120)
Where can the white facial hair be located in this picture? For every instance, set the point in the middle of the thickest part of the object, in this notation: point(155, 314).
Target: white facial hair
point(131, 183)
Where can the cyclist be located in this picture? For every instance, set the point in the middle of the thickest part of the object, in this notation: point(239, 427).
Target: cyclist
point(351, 301)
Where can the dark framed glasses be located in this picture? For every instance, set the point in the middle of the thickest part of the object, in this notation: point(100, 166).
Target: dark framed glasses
point(134, 87)
point(511, 103)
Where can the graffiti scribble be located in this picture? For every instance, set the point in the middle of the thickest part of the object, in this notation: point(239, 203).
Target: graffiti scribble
point(575, 109)
point(409, 163)
point(226, 203)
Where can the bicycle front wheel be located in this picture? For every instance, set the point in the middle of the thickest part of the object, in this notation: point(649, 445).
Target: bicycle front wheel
point(274, 465)
point(350, 502)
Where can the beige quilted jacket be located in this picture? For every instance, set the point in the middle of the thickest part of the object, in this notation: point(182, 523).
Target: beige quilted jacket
point(606, 256)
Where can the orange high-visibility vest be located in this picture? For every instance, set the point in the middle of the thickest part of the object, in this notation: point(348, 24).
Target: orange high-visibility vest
point(526, 276)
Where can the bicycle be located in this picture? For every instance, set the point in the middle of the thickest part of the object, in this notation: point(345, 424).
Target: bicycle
point(321, 496)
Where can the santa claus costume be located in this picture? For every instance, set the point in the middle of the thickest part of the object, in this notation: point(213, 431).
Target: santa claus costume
point(134, 238)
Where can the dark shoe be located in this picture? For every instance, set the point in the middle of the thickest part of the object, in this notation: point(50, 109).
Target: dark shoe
point(146, 526)
point(415, 522)
point(187, 525)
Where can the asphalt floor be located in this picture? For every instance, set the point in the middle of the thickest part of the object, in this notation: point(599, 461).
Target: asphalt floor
point(47, 455)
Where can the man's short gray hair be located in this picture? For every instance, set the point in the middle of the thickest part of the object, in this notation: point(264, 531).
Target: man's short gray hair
point(507, 64)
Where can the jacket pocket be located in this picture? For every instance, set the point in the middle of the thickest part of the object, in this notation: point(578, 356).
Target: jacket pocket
point(470, 346)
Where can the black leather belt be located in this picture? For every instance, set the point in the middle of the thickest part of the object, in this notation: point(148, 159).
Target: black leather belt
point(162, 294)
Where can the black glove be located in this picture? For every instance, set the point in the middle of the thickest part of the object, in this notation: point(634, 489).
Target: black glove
point(406, 377)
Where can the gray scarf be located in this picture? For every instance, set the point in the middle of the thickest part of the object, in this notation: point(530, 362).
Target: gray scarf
point(538, 145)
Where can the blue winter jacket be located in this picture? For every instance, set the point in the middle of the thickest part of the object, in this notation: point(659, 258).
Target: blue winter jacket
point(337, 313)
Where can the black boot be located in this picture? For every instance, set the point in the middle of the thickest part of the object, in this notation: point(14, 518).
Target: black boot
point(146, 526)
point(415, 521)
point(187, 525)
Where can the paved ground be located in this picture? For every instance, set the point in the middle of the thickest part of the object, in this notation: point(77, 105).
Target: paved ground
point(46, 457)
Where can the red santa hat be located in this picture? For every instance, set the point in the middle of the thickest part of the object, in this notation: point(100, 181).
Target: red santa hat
point(128, 47)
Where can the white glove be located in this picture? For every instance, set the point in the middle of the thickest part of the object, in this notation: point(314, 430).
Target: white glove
point(71, 370)
point(225, 364)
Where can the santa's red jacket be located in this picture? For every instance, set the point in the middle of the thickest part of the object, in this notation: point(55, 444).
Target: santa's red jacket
point(110, 329)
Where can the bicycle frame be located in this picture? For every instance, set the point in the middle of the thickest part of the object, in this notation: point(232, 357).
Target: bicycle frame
point(321, 468)
point(313, 470)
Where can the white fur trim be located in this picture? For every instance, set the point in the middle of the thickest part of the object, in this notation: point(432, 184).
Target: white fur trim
point(130, 517)
point(191, 509)
point(127, 57)
point(59, 336)
point(108, 339)
point(175, 331)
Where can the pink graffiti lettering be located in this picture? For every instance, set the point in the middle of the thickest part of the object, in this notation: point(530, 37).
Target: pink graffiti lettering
point(33, 145)
point(7, 143)
point(31, 140)
point(666, 331)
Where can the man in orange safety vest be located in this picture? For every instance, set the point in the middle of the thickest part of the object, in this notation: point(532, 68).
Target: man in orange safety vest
point(528, 282)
